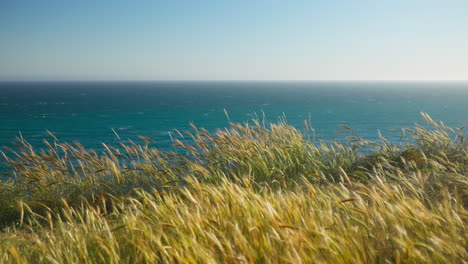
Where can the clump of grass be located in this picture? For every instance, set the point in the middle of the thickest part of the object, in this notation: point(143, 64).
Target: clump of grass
point(254, 192)
point(227, 222)
point(42, 179)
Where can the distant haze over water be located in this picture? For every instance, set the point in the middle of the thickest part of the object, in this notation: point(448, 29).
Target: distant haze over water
point(88, 112)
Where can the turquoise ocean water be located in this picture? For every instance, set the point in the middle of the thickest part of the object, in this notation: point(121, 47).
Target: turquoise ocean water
point(88, 112)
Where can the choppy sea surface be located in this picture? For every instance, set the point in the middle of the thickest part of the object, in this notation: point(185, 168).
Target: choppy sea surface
point(90, 112)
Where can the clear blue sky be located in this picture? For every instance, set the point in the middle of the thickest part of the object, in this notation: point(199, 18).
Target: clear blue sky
point(234, 40)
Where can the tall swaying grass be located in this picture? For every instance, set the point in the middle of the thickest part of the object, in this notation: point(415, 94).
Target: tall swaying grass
point(252, 193)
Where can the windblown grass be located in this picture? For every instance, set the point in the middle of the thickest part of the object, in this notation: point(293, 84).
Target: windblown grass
point(253, 193)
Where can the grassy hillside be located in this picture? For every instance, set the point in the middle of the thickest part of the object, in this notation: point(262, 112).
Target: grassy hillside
point(253, 193)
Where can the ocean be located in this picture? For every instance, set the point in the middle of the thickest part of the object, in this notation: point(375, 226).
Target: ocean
point(90, 112)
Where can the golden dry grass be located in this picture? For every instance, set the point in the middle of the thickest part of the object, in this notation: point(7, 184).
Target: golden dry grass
point(253, 193)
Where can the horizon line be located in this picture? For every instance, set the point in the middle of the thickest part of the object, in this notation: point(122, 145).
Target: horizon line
point(222, 80)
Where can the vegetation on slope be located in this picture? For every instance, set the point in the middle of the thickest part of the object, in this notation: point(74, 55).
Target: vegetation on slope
point(254, 193)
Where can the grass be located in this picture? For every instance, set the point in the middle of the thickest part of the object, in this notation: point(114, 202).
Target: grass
point(252, 193)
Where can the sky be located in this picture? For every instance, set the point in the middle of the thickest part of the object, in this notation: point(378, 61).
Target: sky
point(234, 40)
